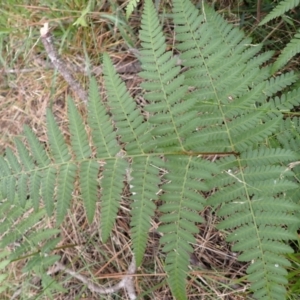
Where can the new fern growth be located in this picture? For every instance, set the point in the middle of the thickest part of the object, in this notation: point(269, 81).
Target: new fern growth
point(219, 103)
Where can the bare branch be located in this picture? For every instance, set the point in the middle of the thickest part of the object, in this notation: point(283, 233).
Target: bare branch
point(60, 65)
point(126, 282)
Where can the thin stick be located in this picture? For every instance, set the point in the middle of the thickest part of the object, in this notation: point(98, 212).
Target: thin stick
point(126, 282)
point(60, 65)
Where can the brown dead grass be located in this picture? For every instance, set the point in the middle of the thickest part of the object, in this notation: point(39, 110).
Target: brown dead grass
point(27, 88)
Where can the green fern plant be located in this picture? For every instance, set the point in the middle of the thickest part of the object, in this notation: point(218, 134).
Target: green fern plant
point(293, 47)
point(287, 53)
point(280, 9)
point(219, 104)
point(130, 7)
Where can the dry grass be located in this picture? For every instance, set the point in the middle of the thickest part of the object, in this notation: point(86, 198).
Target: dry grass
point(28, 85)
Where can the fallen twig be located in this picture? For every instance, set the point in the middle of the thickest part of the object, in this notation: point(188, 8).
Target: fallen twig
point(126, 283)
point(60, 65)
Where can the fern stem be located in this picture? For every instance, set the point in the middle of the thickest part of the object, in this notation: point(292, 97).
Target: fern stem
point(125, 283)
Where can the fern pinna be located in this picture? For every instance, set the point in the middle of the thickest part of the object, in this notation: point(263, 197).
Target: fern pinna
point(219, 102)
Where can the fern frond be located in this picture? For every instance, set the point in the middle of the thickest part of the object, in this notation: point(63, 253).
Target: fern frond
point(265, 156)
point(5, 261)
point(8, 181)
point(257, 134)
point(278, 83)
point(65, 186)
point(103, 133)
point(89, 186)
point(289, 134)
point(38, 152)
point(20, 181)
point(17, 232)
point(279, 10)
point(58, 147)
point(34, 188)
point(288, 137)
point(51, 286)
point(48, 182)
point(112, 183)
point(12, 161)
point(24, 155)
point(34, 239)
point(38, 260)
point(219, 78)
point(256, 207)
point(144, 187)
point(79, 138)
point(181, 203)
point(22, 188)
point(289, 51)
point(5, 210)
point(129, 121)
point(132, 4)
point(216, 104)
point(161, 77)
point(36, 246)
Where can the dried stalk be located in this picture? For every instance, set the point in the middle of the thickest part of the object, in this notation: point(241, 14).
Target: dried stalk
point(126, 282)
point(60, 65)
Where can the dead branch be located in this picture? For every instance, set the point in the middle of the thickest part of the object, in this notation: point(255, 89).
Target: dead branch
point(60, 65)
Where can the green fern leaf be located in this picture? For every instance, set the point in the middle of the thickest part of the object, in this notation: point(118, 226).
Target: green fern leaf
point(25, 158)
point(204, 76)
point(256, 211)
point(112, 182)
point(289, 51)
point(181, 203)
point(129, 121)
point(276, 84)
point(9, 182)
point(217, 104)
point(79, 138)
point(59, 149)
point(37, 237)
point(22, 188)
point(49, 245)
point(144, 187)
point(48, 181)
point(22, 227)
point(265, 156)
point(11, 185)
point(161, 73)
point(5, 173)
point(34, 188)
point(38, 152)
point(286, 102)
point(288, 137)
point(132, 4)
point(103, 133)
point(65, 186)
point(12, 160)
point(6, 211)
point(39, 262)
point(257, 134)
point(88, 185)
point(49, 285)
point(280, 9)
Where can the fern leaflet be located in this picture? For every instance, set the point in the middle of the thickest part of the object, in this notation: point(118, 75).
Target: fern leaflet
point(279, 10)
